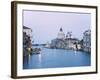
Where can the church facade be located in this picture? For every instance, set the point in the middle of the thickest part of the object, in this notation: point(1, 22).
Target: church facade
point(87, 41)
point(65, 41)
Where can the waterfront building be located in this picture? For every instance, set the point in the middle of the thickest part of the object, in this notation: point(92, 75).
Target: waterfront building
point(27, 40)
point(87, 41)
point(28, 31)
point(58, 43)
point(61, 34)
point(79, 46)
point(47, 45)
point(53, 43)
point(72, 43)
point(62, 42)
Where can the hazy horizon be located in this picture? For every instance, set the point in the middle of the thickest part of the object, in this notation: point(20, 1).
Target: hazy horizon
point(46, 25)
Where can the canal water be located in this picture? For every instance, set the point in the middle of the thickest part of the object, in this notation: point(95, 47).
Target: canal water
point(56, 58)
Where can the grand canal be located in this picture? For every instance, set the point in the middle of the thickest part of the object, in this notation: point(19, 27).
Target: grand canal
point(54, 58)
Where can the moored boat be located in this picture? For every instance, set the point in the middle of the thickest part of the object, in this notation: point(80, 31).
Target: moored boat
point(36, 50)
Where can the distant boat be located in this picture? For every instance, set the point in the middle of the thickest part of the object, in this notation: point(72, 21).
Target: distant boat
point(36, 50)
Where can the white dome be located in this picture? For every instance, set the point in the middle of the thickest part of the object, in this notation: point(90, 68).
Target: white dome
point(61, 34)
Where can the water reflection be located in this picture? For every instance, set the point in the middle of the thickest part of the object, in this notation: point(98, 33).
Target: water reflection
point(51, 58)
point(40, 58)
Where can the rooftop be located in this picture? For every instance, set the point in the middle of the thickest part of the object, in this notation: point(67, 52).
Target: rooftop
point(24, 27)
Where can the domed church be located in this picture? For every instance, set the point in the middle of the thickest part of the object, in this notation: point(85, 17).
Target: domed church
point(61, 34)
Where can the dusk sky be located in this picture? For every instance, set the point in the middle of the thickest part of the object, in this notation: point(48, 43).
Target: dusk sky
point(46, 25)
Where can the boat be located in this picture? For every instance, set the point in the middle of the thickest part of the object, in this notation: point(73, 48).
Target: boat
point(36, 50)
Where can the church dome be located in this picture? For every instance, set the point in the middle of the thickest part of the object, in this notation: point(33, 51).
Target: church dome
point(61, 34)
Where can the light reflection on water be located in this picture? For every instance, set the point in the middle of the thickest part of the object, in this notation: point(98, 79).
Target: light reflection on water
point(52, 58)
